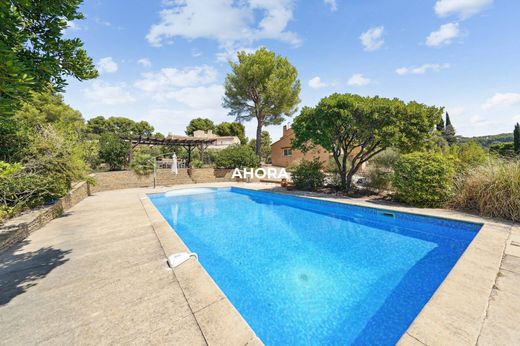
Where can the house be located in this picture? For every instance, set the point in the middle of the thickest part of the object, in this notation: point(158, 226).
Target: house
point(221, 142)
point(282, 154)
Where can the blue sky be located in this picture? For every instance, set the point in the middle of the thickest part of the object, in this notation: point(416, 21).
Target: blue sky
point(165, 61)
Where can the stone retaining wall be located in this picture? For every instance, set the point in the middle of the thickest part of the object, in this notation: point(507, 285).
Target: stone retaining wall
point(210, 175)
point(127, 179)
point(18, 229)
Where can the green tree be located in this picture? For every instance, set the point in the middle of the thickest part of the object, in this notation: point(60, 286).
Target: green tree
point(97, 125)
point(202, 124)
point(264, 86)
point(49, 108)
point(448, 120)
point(33, 53)
point(113, 150)
point(120, 126)
point(265, 148)
point(516, 139)
point(232, 129)
point(361, 127)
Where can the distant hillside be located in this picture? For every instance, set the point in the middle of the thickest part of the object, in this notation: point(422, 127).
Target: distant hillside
point(486, 141)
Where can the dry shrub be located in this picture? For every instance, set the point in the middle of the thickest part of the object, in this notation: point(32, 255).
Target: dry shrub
point(492, 189)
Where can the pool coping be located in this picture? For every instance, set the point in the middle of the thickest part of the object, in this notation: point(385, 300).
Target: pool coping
point(455, 313)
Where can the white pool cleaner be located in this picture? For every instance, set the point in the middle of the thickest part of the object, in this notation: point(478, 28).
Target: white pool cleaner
point(177, 259)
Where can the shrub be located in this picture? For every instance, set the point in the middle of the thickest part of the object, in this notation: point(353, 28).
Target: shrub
point(308, 175)
point(380, 170)
point(142, 164)
point(469, 155)
point(423, 179)
point(492, 189)
point(504, 149)
point(237, 156)
point(197, 164)
point(51, 164)
point(113, 151)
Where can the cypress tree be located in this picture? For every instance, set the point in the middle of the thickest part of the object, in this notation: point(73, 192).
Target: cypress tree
point(448, 121)
point(516, 138)
point(449, 131)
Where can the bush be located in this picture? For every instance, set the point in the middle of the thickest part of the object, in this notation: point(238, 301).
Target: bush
point(308, 175)
point(492, 189)
point(142, 164)
point(51, 164)
point(113, 151)
point(237, 156)
point(197, 164)
point(469, 155)
point(380, 170)
point(424, 179)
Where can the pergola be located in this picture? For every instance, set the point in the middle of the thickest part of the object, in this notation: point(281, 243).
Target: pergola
point(187, 142)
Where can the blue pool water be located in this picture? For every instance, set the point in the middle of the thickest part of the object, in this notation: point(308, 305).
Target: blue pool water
point(305, 272)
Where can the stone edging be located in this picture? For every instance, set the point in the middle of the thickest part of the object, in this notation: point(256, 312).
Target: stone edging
point(17, 232)
point(219, 321)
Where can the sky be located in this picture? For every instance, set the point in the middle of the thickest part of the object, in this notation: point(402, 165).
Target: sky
point(165, 61)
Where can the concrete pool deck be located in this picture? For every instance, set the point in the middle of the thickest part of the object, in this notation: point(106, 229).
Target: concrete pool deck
point(98, 275)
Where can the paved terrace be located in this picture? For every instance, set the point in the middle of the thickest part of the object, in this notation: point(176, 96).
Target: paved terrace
point(98, 275)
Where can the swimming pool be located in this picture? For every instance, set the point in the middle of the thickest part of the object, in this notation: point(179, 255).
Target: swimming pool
point(303, 271)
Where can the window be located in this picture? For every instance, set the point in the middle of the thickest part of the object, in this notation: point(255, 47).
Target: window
point(287, 152)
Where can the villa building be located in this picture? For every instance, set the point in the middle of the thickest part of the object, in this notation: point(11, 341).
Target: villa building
point(283, 154)
point(221, 142)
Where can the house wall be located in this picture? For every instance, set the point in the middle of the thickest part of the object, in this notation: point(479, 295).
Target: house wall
point(277, 148)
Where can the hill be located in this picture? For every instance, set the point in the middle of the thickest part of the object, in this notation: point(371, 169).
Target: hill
point(486, 141)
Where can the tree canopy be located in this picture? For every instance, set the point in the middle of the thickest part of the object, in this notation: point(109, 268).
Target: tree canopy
point(232, 129)
point(202, 124)
point(264, 86)
point(361, 127)
point(33, 53)
point(120, 126)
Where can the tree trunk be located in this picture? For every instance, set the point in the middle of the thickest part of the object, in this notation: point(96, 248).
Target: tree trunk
point(258, 148)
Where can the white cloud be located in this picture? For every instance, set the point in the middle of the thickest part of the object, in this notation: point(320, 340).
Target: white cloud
point(198, 97)
point(144, 62)
point(372, 39)
point(230, 53)
point(167, 79)
point(227, 21)
point(358, 79)
point(421, 69)
point(456, 110)
point(108, 94)
point(316, 83)
point(107, 65)
point(462, 8)
point(444, 36)
point(502, 99)
point(332, 4)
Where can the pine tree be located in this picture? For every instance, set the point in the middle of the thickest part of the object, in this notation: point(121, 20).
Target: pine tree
point(516, 138)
